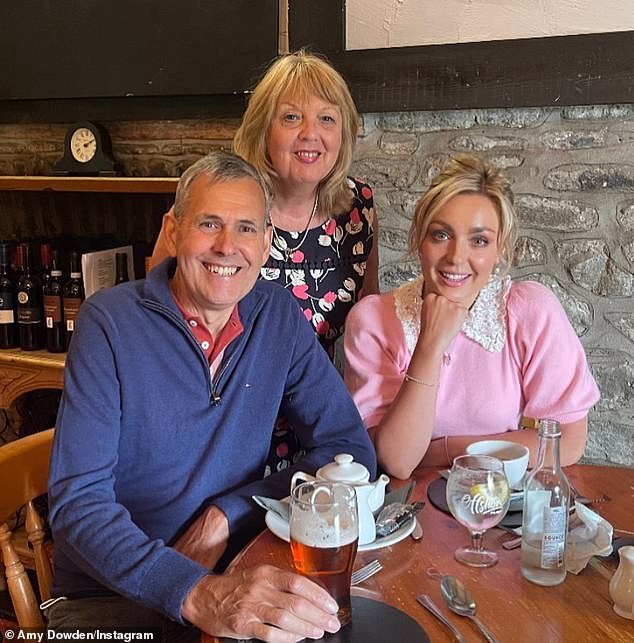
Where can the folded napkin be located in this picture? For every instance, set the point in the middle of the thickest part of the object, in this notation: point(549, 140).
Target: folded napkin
point(400, 495)
point(588, 535)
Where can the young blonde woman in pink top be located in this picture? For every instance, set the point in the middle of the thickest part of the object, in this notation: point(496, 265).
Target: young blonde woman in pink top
point(462, 352)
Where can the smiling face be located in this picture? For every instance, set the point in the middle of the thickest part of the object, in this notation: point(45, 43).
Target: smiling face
point(303, 140)
point(220, 242)
point(460, 248)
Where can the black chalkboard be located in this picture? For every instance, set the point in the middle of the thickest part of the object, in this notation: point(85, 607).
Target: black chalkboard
point(60, 49)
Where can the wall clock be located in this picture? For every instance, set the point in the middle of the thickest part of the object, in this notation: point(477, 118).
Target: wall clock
point(87, 152)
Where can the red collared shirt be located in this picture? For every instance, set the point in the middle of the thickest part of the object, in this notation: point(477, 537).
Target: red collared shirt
point(213, 349)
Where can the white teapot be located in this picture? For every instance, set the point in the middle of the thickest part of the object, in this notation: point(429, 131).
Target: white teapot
point(370, 495)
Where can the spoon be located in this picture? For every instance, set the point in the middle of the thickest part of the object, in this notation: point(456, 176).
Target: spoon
point(460, 601)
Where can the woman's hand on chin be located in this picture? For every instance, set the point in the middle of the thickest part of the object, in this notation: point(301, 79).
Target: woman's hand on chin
point(441, 320)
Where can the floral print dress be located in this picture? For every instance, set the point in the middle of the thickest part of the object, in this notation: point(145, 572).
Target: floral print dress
point(325, 274)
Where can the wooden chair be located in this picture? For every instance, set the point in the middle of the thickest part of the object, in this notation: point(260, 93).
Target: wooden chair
point(24, 465)
point(529, 423)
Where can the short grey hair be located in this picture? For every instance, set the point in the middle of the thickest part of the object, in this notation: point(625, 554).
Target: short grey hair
point(218, 167)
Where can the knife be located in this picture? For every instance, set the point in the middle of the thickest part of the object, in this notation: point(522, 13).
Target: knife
point(417, 534)
point(428, 604)
point(394, 516)
point(278, 507)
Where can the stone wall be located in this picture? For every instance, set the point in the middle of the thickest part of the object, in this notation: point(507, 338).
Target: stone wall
point(572, 176)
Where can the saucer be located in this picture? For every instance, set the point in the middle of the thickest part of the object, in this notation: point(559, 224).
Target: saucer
point(280, 528)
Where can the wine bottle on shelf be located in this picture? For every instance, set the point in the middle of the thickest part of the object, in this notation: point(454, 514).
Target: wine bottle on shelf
point(29, 308)
point(45, 263)
point(53, 309)
point(73, 296)
point(8, 334)
point(18, 264)
point(121, 274)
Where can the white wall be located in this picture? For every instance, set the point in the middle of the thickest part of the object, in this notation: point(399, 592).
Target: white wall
point(396, 23)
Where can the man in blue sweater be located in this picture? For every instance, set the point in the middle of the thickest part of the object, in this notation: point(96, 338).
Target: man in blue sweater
point(172, 385)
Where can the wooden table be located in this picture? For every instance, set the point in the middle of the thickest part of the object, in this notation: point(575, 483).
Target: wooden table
point(25, 371)
point(515, 610)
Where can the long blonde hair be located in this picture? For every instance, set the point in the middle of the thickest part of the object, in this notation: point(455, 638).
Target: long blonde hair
point(467, 174)
point(300, 74)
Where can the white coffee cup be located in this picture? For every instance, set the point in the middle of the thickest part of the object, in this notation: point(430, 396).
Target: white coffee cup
point(514, 457)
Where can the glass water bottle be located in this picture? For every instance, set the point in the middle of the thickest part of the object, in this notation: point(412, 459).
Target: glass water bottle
point(545, 517)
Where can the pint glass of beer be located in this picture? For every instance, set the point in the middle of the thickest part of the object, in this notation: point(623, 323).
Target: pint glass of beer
point(324, 530)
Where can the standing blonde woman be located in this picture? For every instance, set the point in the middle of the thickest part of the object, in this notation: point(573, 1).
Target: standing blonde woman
point(462, 352)
point(299, 131)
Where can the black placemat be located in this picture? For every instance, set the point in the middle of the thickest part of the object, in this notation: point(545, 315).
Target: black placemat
point(621, 541)
point(437, 494)
point(371, 623)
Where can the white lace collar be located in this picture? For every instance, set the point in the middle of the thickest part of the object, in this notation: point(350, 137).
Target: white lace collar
point(484, 325)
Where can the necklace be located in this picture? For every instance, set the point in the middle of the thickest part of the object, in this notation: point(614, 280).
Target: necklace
point(281, 243)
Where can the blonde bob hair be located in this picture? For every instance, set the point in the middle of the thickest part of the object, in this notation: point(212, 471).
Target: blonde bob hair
point(300, 75)
point(466, 174)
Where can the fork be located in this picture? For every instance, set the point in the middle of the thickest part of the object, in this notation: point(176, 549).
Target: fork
point(592, 501)
point(584, 500)
point(365, 572)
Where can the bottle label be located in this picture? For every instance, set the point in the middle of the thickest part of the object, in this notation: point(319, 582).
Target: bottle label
point(23, 297)
point(71, 310)
point(29, 315)
point(6, 316)
point(52, 310)
point(554, 537)
point(6, 301)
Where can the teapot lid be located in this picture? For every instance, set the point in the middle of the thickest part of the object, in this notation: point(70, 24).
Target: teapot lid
point(344, 469)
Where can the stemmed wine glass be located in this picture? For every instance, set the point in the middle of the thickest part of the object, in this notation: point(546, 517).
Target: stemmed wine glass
point(478, 498)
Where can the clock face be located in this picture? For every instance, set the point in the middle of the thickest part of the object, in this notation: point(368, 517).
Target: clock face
point(83, 145)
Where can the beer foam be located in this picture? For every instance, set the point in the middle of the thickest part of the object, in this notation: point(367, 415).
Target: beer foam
point(324, 532)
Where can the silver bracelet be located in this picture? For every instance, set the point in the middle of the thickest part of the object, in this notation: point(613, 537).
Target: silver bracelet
point(409, 378)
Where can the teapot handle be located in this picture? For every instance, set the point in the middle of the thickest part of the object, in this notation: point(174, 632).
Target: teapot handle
point(299, 477)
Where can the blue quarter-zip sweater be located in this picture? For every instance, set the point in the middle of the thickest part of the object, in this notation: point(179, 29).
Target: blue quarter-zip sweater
point(145, 439)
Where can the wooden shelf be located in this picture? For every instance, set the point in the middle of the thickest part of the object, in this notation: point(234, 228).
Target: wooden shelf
point(166, 185)
point(24, 371)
